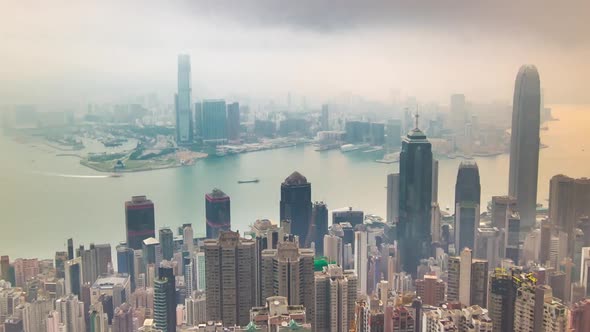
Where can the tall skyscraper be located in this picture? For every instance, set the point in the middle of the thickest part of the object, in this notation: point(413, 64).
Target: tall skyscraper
point(581, 316)
point(394, 134)
point(431, 290)
point(354, 217)
point(188, 238)
point(70, 248)
point(288, 271)
point(434, 180)
point(233, 121)
point(392, 197)
point(335, 298)
point(537, 310)
point(184, 115)
point(467, 201)
point(467, 280)
point(361, 258)
point(165, 298)
point(320, 226)
point(415, 200)
point(139, 221)
point(325, 118)
point(230, 278)
point(458, 113)
point(296, 204)
point(123, 318)
point(71, 313)
point(198, 120)
point(214, 121)
point(562, 206)
point(217, 213)
point(167, 243)
point(73, 280)
point(126, 263)
point(501, 206)
point(524, 144)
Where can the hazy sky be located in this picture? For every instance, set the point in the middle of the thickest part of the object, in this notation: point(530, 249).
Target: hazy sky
point(56, 51)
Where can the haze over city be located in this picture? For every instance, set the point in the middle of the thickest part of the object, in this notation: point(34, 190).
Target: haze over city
point(109, 51)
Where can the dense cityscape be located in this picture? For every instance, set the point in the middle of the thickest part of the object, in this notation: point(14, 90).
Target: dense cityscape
point(510, 266)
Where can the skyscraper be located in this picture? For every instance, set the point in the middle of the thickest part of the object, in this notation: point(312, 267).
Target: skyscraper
point(217, 213)
point(354, 217)
point(562, 206)
point(165, 298)
point(139, 221)
point(126, 263)
point(214, 121)
point(73, 272)
point(392, 197)
point(458, 113)
point(524, 144)
point(415, 200)
point(325, 117)
point(467, 201)
point(288, 271)
point(184, 115)
point(335, 296)
point(537, 310)
point(230, 278)
point(233, 121)
point(320, 226)
point(296, 204)
point(71, 313)
point(167, 243)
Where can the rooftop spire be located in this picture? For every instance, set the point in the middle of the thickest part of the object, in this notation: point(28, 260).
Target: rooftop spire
point(416, 118)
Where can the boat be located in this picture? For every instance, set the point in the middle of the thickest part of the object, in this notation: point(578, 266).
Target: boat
point(115, 175)
point(348, 148)
point(248, 181)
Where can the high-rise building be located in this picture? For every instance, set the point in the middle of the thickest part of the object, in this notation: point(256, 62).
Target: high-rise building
point(104, 259)
point(70, 248)
point(289, 271)
point(488, 245)
point(562, 206)
point(394, 134)
point(126, 263)
point(585, 269)
point(524, 144)
point(214, 121)
point(4, 267)
point(198, 120)
point(580, 313)
point(233, 121)
point(467, 280)
point(431, 290)
point(458, 113)
point(73, 272)
point(467, 201)
point(117, 286)
point(165, 298)
point(166, 238)
point(184, 116)
point(512, 237)
point(123, 318)
point(188, 238)
point(501, 206)
point(140, 223)
point(266, 235)
point(151, 252)
point(217, 213)
point(361, 257)
point(230, 276)
point(24, 270)
point(392, 198)
point(319, 215)
point(582, 197)
point(333, 249)
point(535, 309)
point(71, 313)
point(325, 118)
point(34, 315)
point(296, 204)
point(196, 310)
point(434, 180)
point(415, 200)
point(335, 296)
point(354, 217)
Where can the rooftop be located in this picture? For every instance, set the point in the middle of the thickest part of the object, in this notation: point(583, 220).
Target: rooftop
point(295, 179)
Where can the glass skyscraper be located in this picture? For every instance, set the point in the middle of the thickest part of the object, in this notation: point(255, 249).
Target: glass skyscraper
point(524, 144)
point(139, 221)
point(415, 200)
point(467, 205)
point(296, 204)
point(217, 213)
point(184, 115)
point(214, 120)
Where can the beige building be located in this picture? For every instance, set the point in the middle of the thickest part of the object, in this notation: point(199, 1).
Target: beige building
point(335, 297)
point(230, 278)
point(536, 310)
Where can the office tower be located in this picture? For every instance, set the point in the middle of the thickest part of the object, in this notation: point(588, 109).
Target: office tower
point(467, 201)
point(188, 238)
point(415, 200)
point(71, 313)
point(296, 204)
point(582, 197)
point(117, 286)
point(511, 237)
point(392, 198)
point(325, 118)
point(233, 121)
point(165, 298)
point(4, 267)
point(319, 215)
point(501, 206)
point(60, 260)
point(333, 249)
point(217, 213)
point(467, 280)
point(198, 120)
point(394, 134)
point(123, 319)
point(288, 271)
point(434, 180)
point(13, 324)
point(361, 259)
point(126, 263)
point(196, 310)
point(73, 272)
point(335, 296)
point(34, 315)
point(25, 269)
point(214, 121)
point(524, 144)
point(200, 271)
point(230, 278)
point(189, 278)
point(70, 248)
point(562, 206)
point(184, 117)
point(167, 243)
point(585, 269)
point(458, 113)
point(89, 263)
point(503, 288)
point(377, 134)
point(537, 310)
point(431, 290)
point(580, 313)
point(266, 235)
point(488, 245)
point(354, 217)
point(104, 259)
point(139, 221)
point(151, 252)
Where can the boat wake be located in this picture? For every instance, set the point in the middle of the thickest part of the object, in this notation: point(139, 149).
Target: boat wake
point(72, 176)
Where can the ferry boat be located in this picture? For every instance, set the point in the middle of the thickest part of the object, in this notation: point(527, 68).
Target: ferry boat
point(248, 181)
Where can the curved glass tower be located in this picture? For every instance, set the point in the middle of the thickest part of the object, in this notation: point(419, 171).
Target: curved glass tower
point(524, 144)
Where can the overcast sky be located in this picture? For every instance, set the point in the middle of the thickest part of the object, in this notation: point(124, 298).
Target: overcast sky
point(95, 51)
